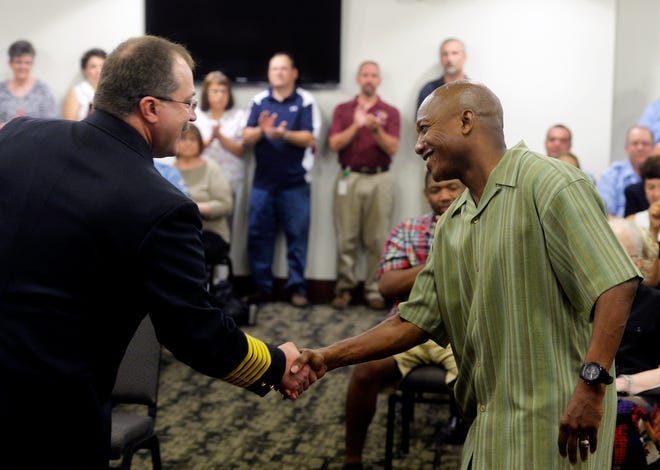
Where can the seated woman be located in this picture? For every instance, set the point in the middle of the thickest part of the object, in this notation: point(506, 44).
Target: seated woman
point(637, 368)
point(78, 102)
point(649, 219)
point(209, 188)
point(24, 95)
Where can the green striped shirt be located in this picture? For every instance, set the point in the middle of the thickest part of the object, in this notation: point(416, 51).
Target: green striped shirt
point(512, 284)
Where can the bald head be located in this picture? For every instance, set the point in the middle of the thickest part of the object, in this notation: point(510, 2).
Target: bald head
point(462, 96)
point(460, 132)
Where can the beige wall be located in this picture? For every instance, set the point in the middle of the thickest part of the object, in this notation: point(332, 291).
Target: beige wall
point(569, 61)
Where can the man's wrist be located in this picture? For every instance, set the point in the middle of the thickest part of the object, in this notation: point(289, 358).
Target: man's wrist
point(285, 135)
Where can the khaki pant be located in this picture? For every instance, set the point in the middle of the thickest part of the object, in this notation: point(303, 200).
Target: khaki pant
point(362, 219)
point(427, 353)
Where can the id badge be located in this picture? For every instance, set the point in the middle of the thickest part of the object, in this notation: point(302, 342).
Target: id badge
point(342, 187)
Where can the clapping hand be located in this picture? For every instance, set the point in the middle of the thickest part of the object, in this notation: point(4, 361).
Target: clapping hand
point(215, 133)
point(374, 122)
point(267, 125)
point(266, 120)
point(360, 116)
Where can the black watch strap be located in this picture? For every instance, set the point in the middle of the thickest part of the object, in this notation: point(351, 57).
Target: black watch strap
point(593, 373)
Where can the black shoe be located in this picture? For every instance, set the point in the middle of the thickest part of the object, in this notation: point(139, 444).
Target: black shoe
point(258, 298)
point(455, 432)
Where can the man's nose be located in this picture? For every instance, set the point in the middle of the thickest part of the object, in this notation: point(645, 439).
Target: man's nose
point(419, 145)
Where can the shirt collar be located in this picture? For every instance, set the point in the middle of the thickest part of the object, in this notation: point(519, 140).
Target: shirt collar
point(290, 97)
point(505, 173)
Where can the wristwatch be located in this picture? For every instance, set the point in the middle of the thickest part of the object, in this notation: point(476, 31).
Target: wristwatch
point(593, 373)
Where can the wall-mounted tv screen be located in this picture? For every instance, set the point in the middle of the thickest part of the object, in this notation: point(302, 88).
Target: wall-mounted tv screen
point(239, 37)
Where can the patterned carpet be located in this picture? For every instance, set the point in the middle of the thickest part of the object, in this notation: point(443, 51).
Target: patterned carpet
point(207, 424)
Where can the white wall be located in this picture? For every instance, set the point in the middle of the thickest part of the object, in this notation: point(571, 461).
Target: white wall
point(548, 60)
point(637, 66)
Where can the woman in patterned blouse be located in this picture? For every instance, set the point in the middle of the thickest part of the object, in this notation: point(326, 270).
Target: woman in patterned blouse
point(24, 95)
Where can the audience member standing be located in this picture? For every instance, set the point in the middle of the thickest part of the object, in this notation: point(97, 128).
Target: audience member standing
point(283, 123)
point(78, 103)
point(365, 133)
point(452, 59)
point(558, 140)
point(221, 126)
point(93, 239)
point(24, 95)
point(622, 173)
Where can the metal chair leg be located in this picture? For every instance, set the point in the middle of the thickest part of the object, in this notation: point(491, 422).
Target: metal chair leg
point(407, 404)
point(389, 439)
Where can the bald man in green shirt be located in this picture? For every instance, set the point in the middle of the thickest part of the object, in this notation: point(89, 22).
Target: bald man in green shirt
point(526, 280)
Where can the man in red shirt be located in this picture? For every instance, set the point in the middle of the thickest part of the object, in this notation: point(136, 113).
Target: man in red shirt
point(365, 134)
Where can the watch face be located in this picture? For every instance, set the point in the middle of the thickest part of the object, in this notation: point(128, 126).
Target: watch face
point(591, 371)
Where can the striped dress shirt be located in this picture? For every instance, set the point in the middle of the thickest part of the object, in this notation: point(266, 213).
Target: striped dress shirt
point(512, 282)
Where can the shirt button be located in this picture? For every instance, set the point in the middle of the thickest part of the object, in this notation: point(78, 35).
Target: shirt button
point(482, 408)
point(475, 220)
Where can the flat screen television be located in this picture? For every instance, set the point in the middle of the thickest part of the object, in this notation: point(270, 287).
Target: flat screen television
point(239, 37)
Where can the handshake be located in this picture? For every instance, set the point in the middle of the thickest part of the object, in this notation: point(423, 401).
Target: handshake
point(303, 368)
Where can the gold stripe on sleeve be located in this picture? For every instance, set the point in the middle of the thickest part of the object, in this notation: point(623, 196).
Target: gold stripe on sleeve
point(254, 364)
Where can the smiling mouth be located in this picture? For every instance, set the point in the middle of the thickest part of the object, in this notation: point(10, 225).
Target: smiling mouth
point(427, 155)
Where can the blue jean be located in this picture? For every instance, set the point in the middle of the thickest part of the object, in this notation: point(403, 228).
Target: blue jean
point(271, 210)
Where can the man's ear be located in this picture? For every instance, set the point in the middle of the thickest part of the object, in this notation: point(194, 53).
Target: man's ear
point(467, 121)
point(147, 107)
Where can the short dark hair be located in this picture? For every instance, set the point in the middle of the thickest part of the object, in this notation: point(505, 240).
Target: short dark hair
point(138, 67)
point(21, 47)
point(215, 78)
point(650, 169)
point(89, 54)
point(285, 54)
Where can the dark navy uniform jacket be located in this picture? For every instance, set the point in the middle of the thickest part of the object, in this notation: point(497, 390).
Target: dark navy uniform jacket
point(92, 239)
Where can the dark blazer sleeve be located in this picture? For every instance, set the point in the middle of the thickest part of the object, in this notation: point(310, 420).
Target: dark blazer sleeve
point(173, 272)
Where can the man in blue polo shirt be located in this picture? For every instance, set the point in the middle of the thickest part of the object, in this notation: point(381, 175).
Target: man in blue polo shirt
point(283, 125)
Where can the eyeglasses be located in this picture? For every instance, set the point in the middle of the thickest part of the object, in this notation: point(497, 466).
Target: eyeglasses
point(192, 104)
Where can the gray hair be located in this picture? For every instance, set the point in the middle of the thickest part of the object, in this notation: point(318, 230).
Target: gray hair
point(629, 235)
